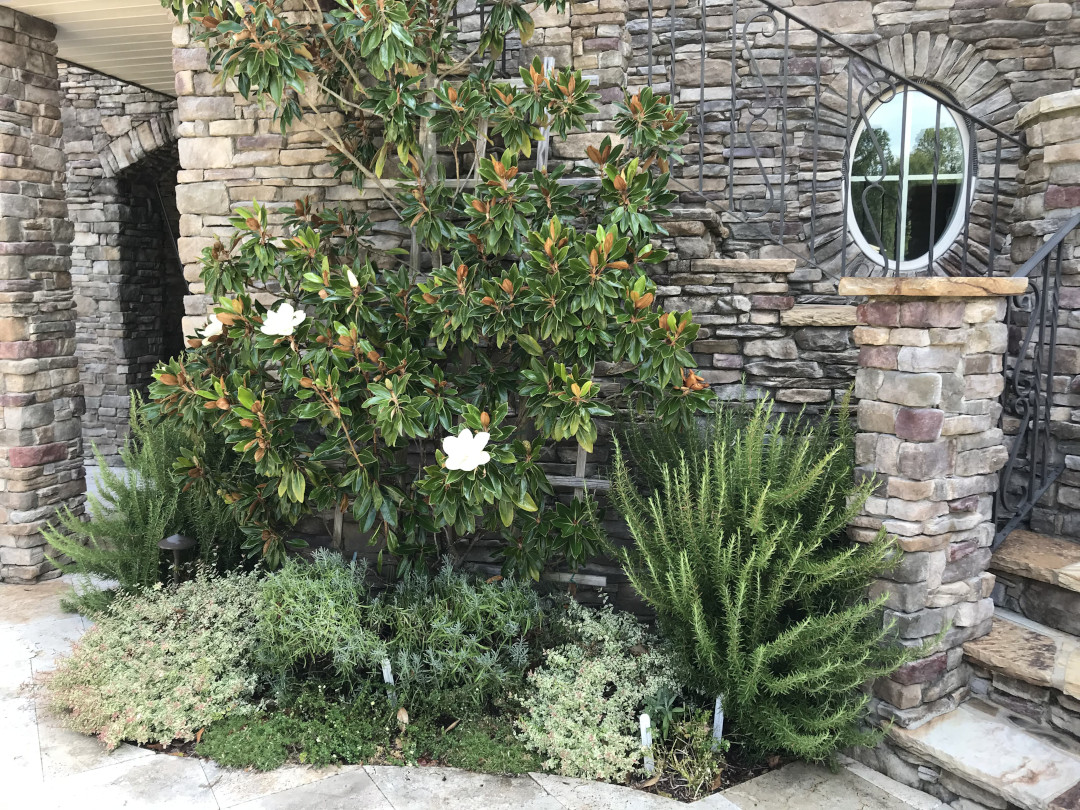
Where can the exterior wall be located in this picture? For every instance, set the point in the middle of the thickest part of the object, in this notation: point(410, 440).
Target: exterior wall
point(1049, 181)
point(41, 466)
point(121, 166)
point(992, 56)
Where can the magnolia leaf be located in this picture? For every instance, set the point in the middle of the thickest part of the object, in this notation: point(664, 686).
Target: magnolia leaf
point(529, 344)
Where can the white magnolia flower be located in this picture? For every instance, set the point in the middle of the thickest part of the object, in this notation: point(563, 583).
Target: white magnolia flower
point(465, 451)
point(283, 320)
point(354, 282)
point(213, 327)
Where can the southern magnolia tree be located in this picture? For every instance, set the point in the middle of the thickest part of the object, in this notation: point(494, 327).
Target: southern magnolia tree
point(340, 394)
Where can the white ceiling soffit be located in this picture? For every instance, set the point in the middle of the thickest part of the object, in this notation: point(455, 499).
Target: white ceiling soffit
point(129, 39)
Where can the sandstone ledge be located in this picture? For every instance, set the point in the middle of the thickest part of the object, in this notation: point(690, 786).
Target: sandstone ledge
point(968, 287)
point(1041, 557)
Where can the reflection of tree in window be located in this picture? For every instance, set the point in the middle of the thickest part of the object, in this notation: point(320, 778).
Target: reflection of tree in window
point(868, 157)
point(900, 203)
point(951, 150)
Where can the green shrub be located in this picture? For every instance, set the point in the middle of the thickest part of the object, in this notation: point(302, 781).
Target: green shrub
point(318, 729)
point(487, 744)
point(312, 728)
point(135, 509)
point(451, 639)
point(160, 664)
point(533, 283)
point(741, 550)
point(689, 756)
point(582, 705)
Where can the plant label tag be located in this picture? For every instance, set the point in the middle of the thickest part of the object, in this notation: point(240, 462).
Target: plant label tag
point(646, 742)
point(718, 719)
point(388, 679)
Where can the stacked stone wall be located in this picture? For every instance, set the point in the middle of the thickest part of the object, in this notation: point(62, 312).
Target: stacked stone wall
point(121, 169)
point(992, 57)
point(1049, 195)
point(40, 399)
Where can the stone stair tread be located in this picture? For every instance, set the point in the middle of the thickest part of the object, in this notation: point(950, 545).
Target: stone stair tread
point(1030, 652)
point(978, 745)
point(1041, 557)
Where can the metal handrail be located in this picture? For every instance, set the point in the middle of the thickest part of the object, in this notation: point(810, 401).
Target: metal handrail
point(1043, 252)
point(945, 102)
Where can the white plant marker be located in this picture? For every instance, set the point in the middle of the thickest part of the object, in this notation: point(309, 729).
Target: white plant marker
point(388, 678)
point(646, 742)
point(718, 719)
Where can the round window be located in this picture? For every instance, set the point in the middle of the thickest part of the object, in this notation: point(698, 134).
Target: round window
point(908, 179)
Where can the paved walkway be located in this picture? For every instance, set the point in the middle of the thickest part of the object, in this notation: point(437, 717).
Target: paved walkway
point(45, 766)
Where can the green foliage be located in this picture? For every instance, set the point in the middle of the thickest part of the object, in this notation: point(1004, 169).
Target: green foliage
point(312, 728)
point(136, 508)
point(452, 641)
point(487, 744)
point(319, 730)
point(581, 706)
point(160, 664)
point(740, 548)
point(372, 366)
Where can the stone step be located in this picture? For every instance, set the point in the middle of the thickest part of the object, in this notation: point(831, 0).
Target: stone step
point(1038, 576)
point(978, 745)
point(1027, 651)
point(1032, 672)
point(1042, 557)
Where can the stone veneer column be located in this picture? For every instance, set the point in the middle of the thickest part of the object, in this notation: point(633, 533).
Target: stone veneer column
point(40, 448)
point(929, 379)
point(1049, 194)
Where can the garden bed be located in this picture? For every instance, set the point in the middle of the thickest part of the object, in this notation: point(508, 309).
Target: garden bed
point(484, 745)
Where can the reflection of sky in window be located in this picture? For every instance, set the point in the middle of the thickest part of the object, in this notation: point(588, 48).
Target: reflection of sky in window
point(890, 117)
point(887, 124)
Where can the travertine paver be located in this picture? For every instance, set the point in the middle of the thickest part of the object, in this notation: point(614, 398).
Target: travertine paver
point(996, 756)
point(812, 788)
point(48, 767)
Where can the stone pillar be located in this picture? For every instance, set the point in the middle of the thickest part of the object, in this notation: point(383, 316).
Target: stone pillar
point(929, 379)
point(41, 465)
point(1049, 194)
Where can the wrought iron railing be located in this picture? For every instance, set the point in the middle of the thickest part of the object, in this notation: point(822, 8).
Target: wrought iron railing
point(1028, 400)
point(783, 111)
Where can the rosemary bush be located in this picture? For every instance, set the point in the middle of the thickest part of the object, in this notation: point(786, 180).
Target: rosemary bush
point(740, 548)
point(138, 506)
point(452, 640)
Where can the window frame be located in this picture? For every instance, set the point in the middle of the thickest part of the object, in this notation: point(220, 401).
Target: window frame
point(965, 195)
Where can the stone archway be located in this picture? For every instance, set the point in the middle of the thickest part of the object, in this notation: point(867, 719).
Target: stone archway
point(139, 142)
point(957, 71)
point(127, 280)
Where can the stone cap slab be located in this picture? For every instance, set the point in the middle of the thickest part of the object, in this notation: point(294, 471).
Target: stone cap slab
point(939, 287)
point(1041, 557)
point(1052, 105)
point(743, 265)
